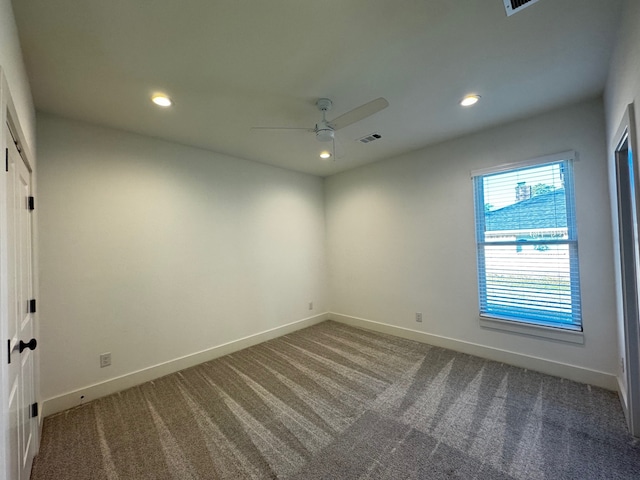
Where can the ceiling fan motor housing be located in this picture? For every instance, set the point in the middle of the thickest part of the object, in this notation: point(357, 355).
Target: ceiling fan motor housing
point(324, 133)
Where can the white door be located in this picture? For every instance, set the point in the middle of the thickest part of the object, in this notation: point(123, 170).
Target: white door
point(23, 425)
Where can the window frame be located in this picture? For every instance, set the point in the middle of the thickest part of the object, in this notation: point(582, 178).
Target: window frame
point(569, 333)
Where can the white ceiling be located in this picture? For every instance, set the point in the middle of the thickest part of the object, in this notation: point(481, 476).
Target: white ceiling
point(233, 64)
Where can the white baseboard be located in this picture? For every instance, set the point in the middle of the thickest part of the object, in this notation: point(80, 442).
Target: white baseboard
point(571, 372)
point(102, 389)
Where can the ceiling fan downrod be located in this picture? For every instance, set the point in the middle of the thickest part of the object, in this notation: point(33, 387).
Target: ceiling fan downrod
point(324, 132)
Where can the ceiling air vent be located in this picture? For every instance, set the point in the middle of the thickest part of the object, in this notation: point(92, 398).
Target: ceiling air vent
point(370, 138)
point(514, 6)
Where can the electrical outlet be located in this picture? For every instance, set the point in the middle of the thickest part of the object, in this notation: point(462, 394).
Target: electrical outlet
point(419, 317)
point(105, 359)
point(310, 305)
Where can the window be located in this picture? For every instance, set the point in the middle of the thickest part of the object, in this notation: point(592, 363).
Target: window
point(527, 243)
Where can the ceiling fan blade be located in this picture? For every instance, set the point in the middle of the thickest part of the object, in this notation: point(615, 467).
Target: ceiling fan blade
point(359, 113)
point(283, 128)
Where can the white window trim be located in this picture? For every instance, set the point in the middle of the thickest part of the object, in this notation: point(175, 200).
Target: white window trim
point(532, 330)
point(505, 167)
point(491, 322)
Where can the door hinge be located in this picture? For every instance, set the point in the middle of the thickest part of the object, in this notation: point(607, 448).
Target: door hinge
point(32, 305)
point(9, 351)
point(32, 203)
point(34, 410)
point(6, 159)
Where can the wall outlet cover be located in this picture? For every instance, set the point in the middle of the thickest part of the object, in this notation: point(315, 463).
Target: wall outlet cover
point(105, 359)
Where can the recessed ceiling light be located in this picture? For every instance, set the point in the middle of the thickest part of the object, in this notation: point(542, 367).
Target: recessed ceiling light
point(469, 100)
point(161, 100)
point(325, 155)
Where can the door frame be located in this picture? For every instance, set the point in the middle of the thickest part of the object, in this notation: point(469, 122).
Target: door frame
point(627, 183)
point(9, 116)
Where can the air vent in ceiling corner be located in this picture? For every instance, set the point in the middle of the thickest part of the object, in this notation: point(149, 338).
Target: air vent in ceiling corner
point(370, 138)
point(514, 6)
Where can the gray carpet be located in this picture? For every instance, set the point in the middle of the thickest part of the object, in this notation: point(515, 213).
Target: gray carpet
point(335, 402)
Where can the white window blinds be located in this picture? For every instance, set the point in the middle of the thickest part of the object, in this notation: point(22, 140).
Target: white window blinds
point(527, 244)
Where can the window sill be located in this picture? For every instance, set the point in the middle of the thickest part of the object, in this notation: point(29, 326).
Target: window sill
point(551, 333)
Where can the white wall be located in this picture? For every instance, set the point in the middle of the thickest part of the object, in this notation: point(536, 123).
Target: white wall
point(401, 239)
point(15, 72)
point(153, 251)
point(623, 88)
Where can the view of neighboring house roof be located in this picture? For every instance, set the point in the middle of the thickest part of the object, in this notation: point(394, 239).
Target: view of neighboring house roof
point(548, 210)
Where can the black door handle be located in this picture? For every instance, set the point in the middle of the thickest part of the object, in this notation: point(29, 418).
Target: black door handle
point(31, 345)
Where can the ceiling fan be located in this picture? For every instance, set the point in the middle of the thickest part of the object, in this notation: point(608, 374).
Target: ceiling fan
point(325, 129)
